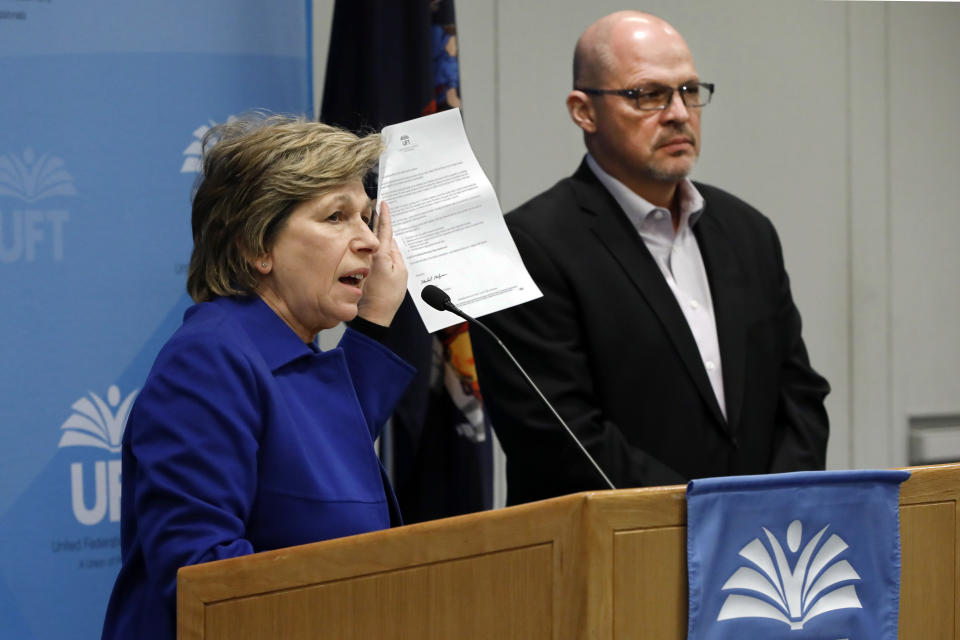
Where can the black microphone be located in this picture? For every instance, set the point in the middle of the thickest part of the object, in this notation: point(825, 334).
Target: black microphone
point(439, 300)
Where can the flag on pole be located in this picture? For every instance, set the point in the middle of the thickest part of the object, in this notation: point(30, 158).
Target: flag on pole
point(794, 556)
point(390, 62)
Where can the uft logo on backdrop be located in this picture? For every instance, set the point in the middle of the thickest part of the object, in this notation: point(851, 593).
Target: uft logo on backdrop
point(97, 423)
point(193, 154)
point(793, 591)
point(29, 231)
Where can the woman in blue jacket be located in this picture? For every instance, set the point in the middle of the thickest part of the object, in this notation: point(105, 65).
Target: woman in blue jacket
point(245, 436)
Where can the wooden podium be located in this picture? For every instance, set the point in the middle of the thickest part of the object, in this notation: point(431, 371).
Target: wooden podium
point(599, 565)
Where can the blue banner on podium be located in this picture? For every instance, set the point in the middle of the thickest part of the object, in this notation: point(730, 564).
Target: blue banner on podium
point(794, 556)
point(105, 105)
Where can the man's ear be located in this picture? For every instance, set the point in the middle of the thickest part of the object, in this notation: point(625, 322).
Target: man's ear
point(581, 111)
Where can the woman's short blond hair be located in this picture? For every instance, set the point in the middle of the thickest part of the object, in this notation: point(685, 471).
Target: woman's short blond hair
point(256, 170)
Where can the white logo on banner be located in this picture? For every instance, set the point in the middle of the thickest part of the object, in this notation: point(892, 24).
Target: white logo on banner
point(31, 178)
point(792, 596)
point(193, 154)
point(97, 423)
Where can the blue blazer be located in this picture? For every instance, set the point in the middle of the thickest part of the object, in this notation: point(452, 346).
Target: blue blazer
point(245, 439)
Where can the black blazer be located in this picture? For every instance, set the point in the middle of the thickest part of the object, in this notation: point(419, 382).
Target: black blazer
point(611, 349)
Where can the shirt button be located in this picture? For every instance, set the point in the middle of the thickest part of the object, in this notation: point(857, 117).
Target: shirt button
point(694, 305)
point(710, 365)
point(658, 214)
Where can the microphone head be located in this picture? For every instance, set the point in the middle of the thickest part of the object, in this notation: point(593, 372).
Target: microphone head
point(435, 297)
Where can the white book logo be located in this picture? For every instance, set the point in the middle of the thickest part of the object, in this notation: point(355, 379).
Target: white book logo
point(96, 423)
point(193, 154)
point(792, 596)
point(32, 178)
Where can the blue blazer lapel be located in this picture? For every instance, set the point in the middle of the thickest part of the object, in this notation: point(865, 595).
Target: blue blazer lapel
point(618, 236)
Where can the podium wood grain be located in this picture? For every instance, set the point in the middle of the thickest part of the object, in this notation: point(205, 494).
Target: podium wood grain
point(595, 565)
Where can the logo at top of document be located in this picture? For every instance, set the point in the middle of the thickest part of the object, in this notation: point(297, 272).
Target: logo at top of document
point(817, 582)
point(97, 423)
point(407, 143)
point(31, 178)
point(193, 154)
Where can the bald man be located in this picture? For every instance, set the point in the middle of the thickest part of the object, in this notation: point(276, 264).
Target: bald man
point(667, 336)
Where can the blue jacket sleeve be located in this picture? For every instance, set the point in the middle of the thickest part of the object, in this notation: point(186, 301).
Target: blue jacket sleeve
point(379, 376)
point(194, 434)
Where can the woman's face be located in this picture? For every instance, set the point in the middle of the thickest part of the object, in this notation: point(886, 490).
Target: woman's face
point(320, 257)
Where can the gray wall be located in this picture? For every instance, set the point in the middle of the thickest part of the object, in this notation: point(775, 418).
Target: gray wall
point(833, 118)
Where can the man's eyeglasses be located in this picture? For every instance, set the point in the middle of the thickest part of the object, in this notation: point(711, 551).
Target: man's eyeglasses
point(657, 97)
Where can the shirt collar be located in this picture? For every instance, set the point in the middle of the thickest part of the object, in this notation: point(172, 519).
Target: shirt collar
point(277, 342)
point(638, 209)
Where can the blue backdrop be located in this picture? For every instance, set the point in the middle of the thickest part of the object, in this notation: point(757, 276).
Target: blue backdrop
point(103, 104)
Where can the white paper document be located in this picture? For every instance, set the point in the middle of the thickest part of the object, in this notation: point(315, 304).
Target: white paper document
point(448, 222)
